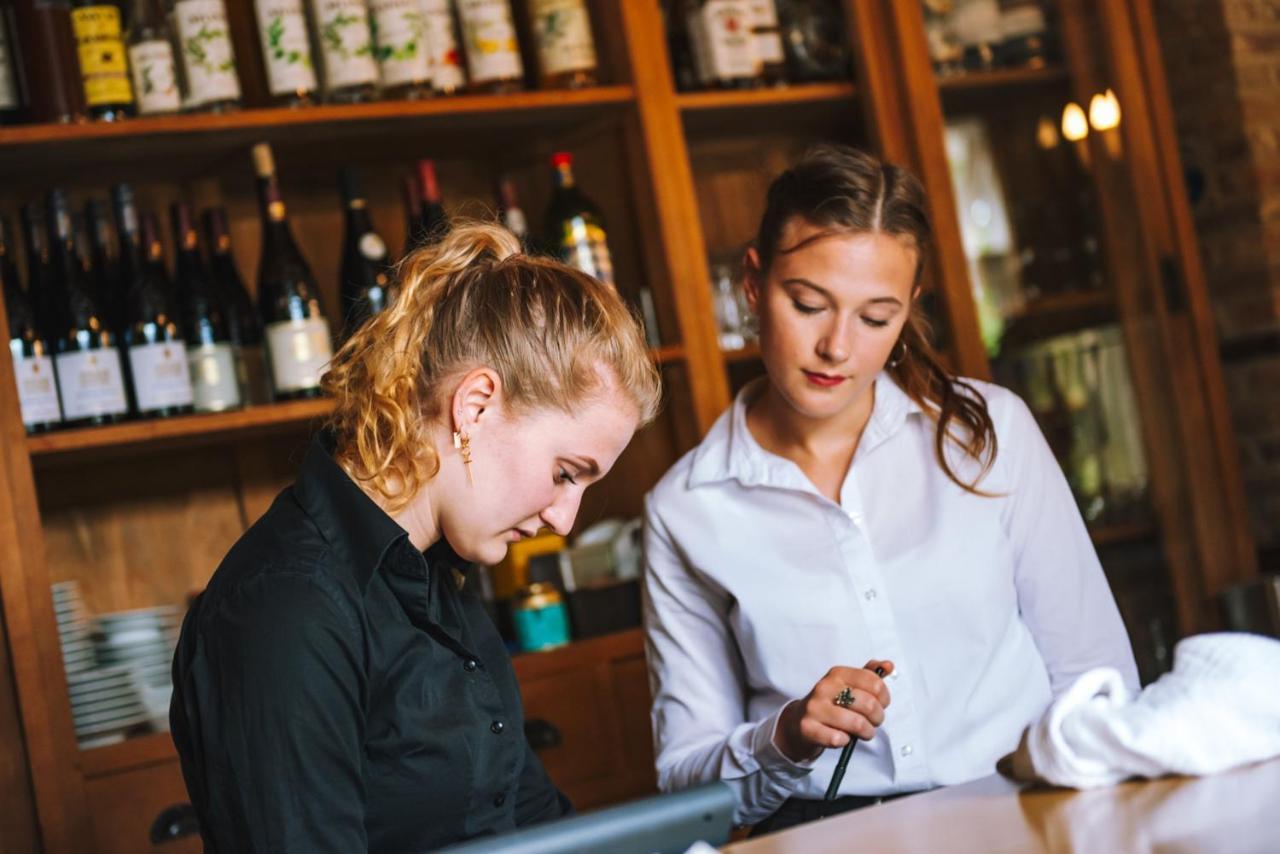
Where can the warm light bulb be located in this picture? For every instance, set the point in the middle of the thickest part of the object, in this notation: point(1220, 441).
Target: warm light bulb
point(1047, 133)
point(1104, 111)
point(1075, 126)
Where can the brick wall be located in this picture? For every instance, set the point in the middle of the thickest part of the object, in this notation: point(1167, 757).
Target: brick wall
point(1222, 58)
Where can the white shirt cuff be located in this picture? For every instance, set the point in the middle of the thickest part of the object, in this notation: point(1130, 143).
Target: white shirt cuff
point(772, 761)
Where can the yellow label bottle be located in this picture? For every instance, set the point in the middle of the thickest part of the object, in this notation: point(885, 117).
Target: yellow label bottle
point(104, 66)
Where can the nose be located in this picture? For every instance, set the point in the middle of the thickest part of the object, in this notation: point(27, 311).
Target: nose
point(559, 515)
point(834, 345)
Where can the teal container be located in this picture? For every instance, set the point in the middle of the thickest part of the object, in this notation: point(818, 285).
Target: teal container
point(540, 617)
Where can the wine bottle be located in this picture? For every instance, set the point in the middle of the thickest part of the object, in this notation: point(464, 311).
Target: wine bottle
point(215, 381)
point(402, 48)
point(242, 317)
point(349, 71)
point(566, 48)
point(411, 195)
point(32, 360)
point(299, 345)
point(105, 264)
point(153, 335)
point(284, 31)
point(767, 35)
point(492, 49)
point(12, 99)
point(207, 59)
point(433, 221)
point(155, 74)
point(35, 244)
point(49, 64)
point(86, 350)
point(104, 64)
point(724, 48)
point(576, 232)
point(364, 280)
point(447, 75)
point(510, 212)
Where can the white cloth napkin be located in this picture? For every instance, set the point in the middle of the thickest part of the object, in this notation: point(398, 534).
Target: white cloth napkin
point(1218, 708)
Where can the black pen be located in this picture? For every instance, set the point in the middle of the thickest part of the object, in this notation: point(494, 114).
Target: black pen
point(837, 777)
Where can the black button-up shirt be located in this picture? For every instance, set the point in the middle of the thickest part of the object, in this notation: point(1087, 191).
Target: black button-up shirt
point(334, 690)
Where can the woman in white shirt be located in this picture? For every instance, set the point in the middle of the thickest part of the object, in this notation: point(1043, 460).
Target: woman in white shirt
point(860, 504)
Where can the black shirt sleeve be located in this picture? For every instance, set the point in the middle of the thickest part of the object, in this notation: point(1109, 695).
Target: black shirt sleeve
point(276, 673)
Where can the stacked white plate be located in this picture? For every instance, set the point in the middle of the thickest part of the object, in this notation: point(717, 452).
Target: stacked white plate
point(142, 641)
point(73, 628)
point(105, 704)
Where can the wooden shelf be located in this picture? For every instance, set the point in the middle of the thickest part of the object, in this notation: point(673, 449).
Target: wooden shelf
point(742, 354)
point(668, 354)
point(1126, 532)
point(1058, 315)
point(1003, 78)
point(737, 99)
point(828, 109)
point(131, 753)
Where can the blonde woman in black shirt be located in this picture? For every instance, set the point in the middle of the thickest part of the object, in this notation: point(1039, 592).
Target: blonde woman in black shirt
point(338, 686)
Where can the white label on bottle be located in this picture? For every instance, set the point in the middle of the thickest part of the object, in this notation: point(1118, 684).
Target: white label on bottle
point(584, 246)
point(213, 377)
point(490, 38)
point(8, 82)
point(207, 56)
point(764, 23)
point(285, 46)
point(727, 45)
point(300, 352)
point(372, 247)
point(564, 36)
point(91, 383)
point(400, 40)
point(446, 65)
point(160, 375)
point(345, 43)
point(153, 78)
point(37, 388)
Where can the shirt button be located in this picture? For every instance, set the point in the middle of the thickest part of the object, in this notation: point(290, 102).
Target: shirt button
point(499, 799)
point(497, 727)
point(906, 750)
point(870, 594)
point(470, 665)
point(893, 677)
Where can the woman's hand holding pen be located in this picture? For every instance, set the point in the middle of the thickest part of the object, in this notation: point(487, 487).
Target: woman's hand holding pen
point(816, 721)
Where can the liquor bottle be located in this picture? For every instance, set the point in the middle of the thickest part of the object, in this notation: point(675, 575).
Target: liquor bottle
point(566, 48)
point(976, 25)
point(364, 282)
point(1025, 40)
point(207, 60)
point(105, 262)
point(86, 350)
point(724, 47)
point(402, 48)
point(447, 75)
point(35, 244)
point(32, 359)
point(815, 40)
point(155, 75)
point(242, 316)
point(215, 380)
point(299, 345)
point(510, 212)
point(104, 64)
point(286, 51)
point(680, 45)
point(153, 335)
point(767, 35)
point(492, 49)
point(12, 99)
point(349, 71)
point(433, 222)
point(575, 229)
point(411, 195)
point(50, 67)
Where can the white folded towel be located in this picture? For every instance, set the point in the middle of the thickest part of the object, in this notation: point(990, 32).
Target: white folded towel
point(1218, 708)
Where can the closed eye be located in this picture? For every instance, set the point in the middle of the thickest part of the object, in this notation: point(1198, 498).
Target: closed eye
point(564, 477)
point(804, 308)
point(875, 324)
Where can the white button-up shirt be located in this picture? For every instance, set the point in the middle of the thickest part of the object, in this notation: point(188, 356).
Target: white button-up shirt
point(756, 584)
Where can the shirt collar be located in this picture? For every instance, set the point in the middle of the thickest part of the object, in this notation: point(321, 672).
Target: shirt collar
point(730, 452)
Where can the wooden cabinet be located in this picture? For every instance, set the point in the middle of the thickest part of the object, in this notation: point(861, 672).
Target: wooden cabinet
point(140, 513)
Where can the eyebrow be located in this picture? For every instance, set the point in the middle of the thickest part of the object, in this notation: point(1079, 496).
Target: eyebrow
point(826, 293)
point(591, 467)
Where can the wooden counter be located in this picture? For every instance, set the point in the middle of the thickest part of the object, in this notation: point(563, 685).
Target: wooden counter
point(1233, 812)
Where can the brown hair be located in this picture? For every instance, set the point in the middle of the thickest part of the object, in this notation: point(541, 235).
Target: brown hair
point(474, 300)
point(840, 189)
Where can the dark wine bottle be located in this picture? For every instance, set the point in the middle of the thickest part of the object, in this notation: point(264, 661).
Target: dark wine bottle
point(105, 261)
point(575, 230)
point(510, 212)
point(86, 349)
point(153, 335)
point(32, 360)
point(299, 344)
point(35, 243)
point(433, 222)
point(49, 64)
point(13, 99)
point(411, 193)
point(365, 282)
point(242, 317)
point(215, 381)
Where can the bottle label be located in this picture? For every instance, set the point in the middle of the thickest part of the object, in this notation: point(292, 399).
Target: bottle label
point(91, 383)
point(285, 46)
point(446, 60)
point(153, 77)
point(160, 375)
point(300, 351)
point(564, 36)
point(490, 38)
point(103, 63)
point(207, 55)
point(725, 47)
point(400, 39)
point(372, 247)
point(9, 99)
point(583, 246)
point(345, 43)
point(214, 377)
point(764, 26)
point(37, 389)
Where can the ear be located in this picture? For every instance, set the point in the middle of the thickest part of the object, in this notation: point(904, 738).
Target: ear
point(477, 399)
point(752, 278)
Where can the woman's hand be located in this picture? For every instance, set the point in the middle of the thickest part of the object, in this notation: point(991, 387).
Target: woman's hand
point(814, 722)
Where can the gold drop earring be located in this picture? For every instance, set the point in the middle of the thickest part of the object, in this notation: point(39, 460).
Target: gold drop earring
point(462, 442)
